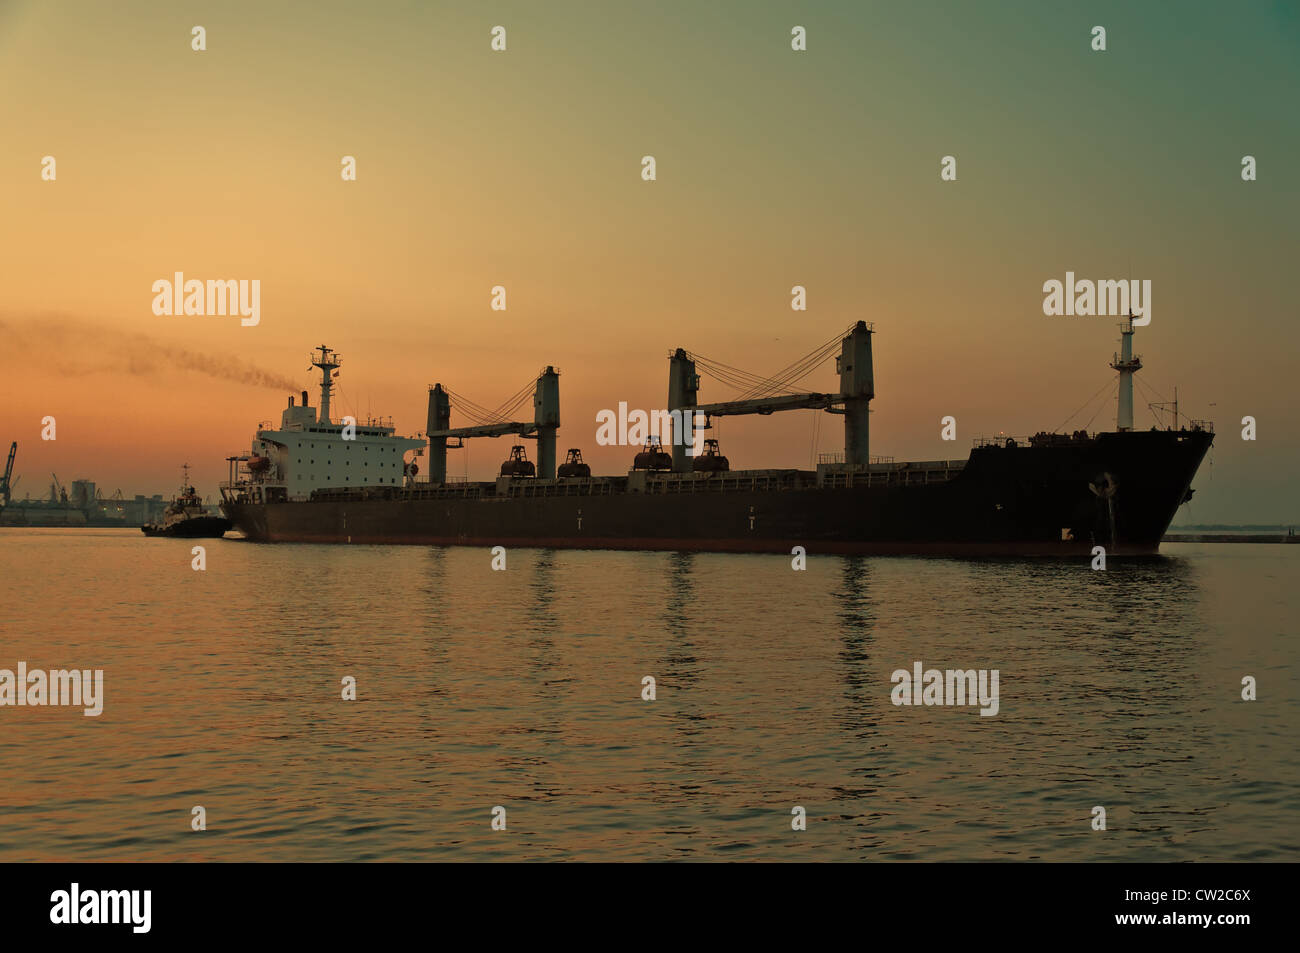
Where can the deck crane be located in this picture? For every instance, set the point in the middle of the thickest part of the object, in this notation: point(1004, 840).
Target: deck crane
point(857, 388)
point(542, 428)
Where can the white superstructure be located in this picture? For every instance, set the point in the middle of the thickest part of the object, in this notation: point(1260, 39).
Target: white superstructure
point(309, 452)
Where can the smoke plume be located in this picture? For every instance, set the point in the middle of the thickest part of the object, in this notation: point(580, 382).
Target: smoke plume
point(66, 346)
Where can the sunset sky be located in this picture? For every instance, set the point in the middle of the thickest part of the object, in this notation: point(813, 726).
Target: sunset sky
point(523, 169)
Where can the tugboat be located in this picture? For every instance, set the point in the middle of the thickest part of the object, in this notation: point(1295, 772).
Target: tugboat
point(186, 518)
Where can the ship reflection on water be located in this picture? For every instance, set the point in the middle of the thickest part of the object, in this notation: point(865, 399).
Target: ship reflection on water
point(525, 687)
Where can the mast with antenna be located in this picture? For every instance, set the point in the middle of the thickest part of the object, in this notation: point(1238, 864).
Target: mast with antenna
point(328, 362)
point(1127, 364)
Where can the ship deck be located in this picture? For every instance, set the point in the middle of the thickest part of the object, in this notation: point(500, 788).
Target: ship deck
point(826, 476)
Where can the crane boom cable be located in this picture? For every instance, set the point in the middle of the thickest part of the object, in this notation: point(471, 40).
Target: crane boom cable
point(810, 363)
point(511, 403)
point(480, 415)
point(755, 385)
point(797, 370)
point(467, 407)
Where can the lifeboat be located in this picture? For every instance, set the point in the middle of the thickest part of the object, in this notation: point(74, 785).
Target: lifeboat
point(259, 464)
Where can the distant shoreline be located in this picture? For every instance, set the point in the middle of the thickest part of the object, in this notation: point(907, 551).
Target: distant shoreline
point(1282, 537)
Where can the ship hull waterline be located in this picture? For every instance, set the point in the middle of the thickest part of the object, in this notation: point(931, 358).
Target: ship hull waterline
point(199, 527)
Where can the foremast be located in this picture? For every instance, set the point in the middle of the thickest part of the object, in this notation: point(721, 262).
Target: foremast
point(1127, 364)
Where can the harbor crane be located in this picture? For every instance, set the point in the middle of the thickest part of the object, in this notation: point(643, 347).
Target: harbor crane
point(5, 485)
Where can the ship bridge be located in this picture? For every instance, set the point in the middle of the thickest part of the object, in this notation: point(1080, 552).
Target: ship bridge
point(310, 452)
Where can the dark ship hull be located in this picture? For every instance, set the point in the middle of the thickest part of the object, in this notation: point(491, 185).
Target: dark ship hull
point(1061, 496)
point(198, 527)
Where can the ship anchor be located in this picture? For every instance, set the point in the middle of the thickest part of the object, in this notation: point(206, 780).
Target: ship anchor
point(1103, 486)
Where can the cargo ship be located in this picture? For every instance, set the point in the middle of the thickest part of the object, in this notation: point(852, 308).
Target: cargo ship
point(1051, 494)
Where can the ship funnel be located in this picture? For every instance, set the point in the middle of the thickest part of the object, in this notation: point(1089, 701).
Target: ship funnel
point(858, 385)
point(683, 395)
point(439, 419)
point(546, 415)
point(304, 398)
